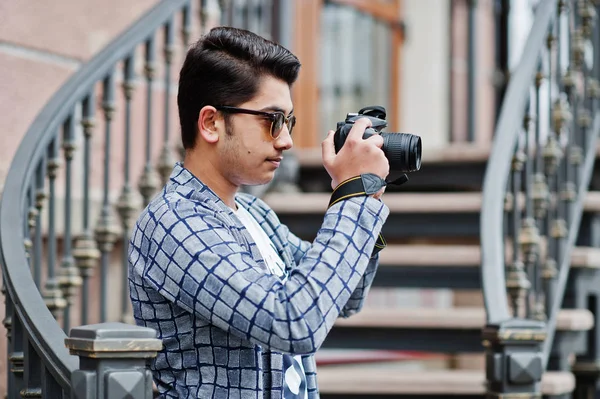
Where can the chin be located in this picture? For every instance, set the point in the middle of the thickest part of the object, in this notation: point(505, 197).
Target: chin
point(259, 181)
point(265, 181)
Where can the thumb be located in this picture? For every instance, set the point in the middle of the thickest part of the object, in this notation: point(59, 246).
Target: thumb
point(328, 148)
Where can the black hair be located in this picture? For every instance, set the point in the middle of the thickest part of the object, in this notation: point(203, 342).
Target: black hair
point(224, 67)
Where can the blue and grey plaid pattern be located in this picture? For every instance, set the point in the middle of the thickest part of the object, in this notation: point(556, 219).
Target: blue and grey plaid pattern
point(196, 276)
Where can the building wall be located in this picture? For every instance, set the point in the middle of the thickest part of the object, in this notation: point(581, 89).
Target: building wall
point(42, 43)
point(425, 65)
point(435, 67)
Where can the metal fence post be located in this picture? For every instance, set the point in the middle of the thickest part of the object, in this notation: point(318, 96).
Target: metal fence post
point(112, 361)
point(514, 358)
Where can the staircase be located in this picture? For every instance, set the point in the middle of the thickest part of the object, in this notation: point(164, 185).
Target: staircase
point(514, 226)
point(433, 235)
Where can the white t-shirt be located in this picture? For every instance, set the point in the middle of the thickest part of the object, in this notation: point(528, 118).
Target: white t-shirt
point(294, 379)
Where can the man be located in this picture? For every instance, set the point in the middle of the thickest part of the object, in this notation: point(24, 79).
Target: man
point(240, 303)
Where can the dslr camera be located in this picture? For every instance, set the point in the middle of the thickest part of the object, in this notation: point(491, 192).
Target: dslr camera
point(402, 150)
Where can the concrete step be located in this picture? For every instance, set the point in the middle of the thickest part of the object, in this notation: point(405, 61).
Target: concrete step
point(440, 330)
point(413, 215)
point(451, 266)
point(436, 203)
point(456, 167)
point(383, 381)
point(417, 255)
point(452, 318)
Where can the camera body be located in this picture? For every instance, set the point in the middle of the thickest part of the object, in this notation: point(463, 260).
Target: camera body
point(403, 150)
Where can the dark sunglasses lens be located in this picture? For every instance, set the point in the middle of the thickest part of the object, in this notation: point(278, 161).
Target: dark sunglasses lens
point(291, 123)
point(278, 120)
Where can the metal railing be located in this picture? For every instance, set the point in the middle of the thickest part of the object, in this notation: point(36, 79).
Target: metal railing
point(49, 247)
point(535, 183)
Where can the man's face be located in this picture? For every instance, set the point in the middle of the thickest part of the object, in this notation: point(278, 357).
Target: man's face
point(249, 155)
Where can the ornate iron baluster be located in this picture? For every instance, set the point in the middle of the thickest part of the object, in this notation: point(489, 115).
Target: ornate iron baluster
point(186, 25)
point(106, 231)
point(86, 252)
point(7, 323)
point(53, 296)
point(567, 135)
point(186, 31)
point(551, 155)
point(517, 282)
point(149, 180)
point(166, 161)
point(126, 203)
point(69, 279)
point(50, 387)
point(582, 119)
point(40, 196)
point(30, 222)
point(540, 196)
point(560, 115)
point(554, 156)
point(32, 372)
point(16, 356)
point(593, 92)
point(529, 238)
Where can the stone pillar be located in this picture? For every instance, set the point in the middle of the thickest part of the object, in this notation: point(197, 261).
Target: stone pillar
point(514, 364)
point(112, 361)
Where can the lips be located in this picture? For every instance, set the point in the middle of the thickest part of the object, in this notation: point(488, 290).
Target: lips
point(275, 161)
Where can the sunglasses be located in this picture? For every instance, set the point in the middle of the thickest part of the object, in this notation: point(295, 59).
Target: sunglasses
point(277, 118)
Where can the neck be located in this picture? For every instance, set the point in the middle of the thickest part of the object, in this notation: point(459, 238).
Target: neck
point(204, 168)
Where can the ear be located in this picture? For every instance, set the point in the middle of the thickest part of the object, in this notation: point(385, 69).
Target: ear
point(210, 124)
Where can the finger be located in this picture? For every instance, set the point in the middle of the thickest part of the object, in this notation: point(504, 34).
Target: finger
point(358, 129)
point(328, 148)
point(376, 139)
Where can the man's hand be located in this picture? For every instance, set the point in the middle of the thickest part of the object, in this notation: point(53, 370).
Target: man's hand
point(379, 193)
point(357, 156)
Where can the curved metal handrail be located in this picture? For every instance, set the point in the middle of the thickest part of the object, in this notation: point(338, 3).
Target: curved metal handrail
point(497, 177)
point(498, 166)
point(41, 327)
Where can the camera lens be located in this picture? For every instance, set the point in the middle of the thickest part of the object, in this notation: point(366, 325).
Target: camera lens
point(403, 151)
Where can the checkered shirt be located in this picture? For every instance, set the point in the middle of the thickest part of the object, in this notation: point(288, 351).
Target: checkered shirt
point(197, 278)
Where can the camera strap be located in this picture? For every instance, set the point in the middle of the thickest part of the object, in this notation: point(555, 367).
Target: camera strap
point(365, 184)
point(399, 181)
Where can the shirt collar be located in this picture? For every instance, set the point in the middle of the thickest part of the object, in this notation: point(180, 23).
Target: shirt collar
point(186, 184)
point(183, 182)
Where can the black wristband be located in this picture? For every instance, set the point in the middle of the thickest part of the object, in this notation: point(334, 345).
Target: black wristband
point(366, 184)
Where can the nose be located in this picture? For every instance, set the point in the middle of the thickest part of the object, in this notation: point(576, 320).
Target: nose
point(284, 141)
